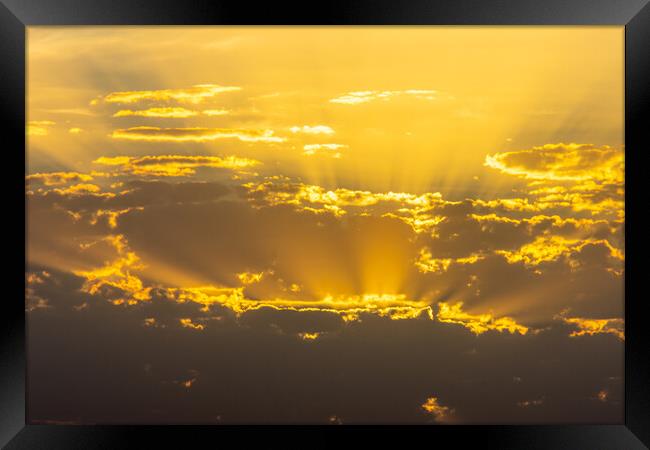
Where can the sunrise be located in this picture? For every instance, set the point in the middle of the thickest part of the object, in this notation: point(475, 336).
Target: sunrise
point(325, 225)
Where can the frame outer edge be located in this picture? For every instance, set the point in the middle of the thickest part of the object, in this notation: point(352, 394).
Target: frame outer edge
point(637, 110)
point(328, 12)
point(12, 48)
point(12, 124)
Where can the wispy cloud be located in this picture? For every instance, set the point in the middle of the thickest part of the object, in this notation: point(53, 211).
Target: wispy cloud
point(196, 134)
point(172, 112)
point(327, 149)
point(194, 94)
point(312, 129)
point(173, 165)
point(590, 327)
point(562, 162)
point(39, 127)
point(58, 178)
point(215, 112)
point(477, 323)
point(358, 97)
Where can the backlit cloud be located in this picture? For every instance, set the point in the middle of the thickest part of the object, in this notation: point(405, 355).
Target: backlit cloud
point(195, 134)
point(172, 112)
point(439, 412)
point(579, 177)
point(562, 162)
point(279, 191)
point(39, 127)
point(58, 178)
point(358, 97)
point(350, 308)
point(309, 336)
point(326, 149)
point(250, 277)
point(215, 112)
point(591, 327)
point(427, 263)
point(173, 165)
point(312, 129)
point(477, 323)
point(117, 276)
point(550, 248)
point(176, 112)
point(194, 94)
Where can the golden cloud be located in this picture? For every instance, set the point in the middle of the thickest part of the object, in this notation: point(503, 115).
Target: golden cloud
point(117, 274)
point(550, 248)
point(195, 134)
point(326, 149)
point(312, 129)
point(187, 323)
point(112, 215)
point(510, 204)
point(39, 127)
point(393, 306)
point(591, 327)
point(427, 263)
point(170, 112)
point(173, 165)
point(477, 323)
point(309, 336)
point(81, 189)
point(612, 206)
point(439, 412)
point(195, 94)
point(357, 97)
point(250, 277)
point(280, 191)
point(419, 221)
point(562, 162)
point(577, 177)
point(58, 178)
point(215, 112)
point(554, 220)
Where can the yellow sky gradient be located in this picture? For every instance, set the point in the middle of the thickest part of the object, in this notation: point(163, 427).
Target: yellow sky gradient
point(496, 89)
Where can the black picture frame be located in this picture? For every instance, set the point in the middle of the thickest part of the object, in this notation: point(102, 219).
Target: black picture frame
point(16, 15)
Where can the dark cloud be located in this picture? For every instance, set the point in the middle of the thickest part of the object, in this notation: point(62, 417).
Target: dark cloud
point(242, 372)
point(245, 353)
point(201, 232)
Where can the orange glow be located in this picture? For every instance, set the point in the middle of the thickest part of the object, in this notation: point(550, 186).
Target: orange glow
point(438, 411)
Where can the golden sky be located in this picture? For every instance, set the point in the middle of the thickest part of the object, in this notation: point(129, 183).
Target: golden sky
point(317, 184)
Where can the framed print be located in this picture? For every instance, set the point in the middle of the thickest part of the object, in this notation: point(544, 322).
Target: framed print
point(360, 220)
